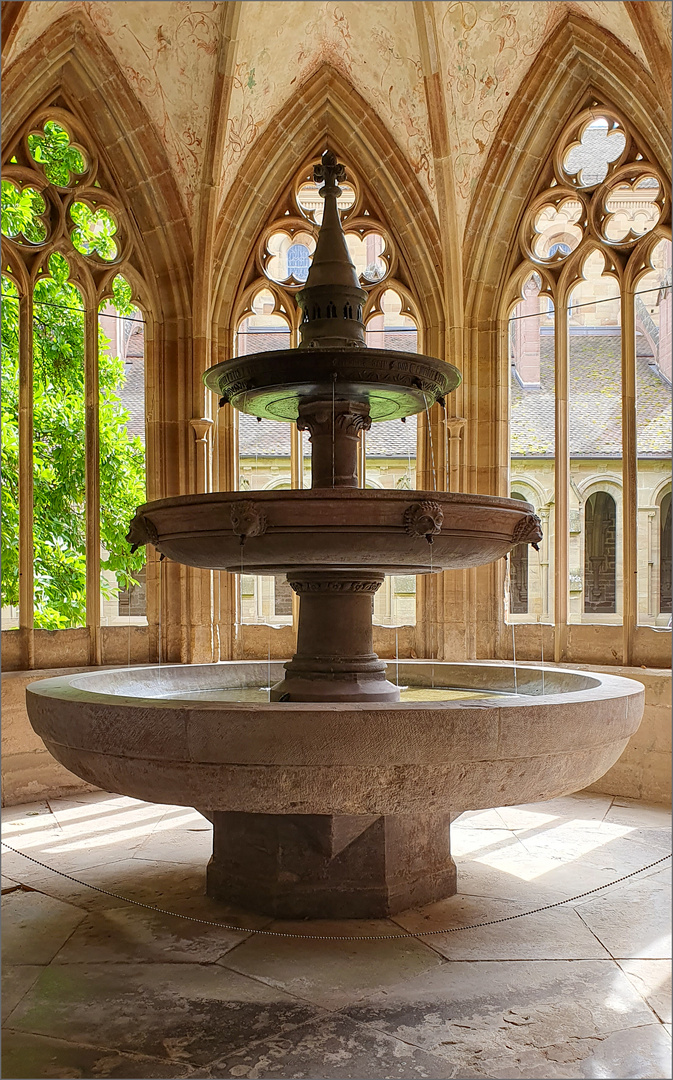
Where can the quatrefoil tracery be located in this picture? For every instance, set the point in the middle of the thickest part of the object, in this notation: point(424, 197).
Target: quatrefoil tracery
point(602, 192)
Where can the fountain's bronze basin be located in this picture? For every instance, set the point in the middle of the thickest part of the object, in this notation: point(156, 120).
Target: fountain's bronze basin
point(269, 532)
point(272, 384)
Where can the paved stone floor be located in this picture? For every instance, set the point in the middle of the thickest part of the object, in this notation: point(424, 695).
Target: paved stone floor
point(93, 987)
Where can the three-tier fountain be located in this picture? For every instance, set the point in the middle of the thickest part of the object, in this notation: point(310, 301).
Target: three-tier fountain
point(332, 793)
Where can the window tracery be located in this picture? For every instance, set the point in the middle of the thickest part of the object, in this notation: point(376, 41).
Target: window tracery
point(594, 247)
point(75, 414)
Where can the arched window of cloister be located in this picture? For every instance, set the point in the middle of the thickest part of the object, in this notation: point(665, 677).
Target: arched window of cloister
point(73, 389)
point(600, 550)
point(589, 349)
point(271, 454)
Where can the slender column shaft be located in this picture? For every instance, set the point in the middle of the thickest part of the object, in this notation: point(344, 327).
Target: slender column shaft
point(630, 475)
point(561, 482)
point(334, 427)
point(92, 473)
point(26, 621)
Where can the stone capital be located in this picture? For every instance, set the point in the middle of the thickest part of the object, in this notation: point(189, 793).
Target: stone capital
point(348, 417)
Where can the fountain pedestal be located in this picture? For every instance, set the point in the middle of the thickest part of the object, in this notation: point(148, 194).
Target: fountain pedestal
point(335, 660)
point(296, 866)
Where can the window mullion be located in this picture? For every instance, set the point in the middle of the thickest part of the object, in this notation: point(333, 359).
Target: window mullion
point(629, 467)
point(26, 547)
point(561, 482)
point(92, 482)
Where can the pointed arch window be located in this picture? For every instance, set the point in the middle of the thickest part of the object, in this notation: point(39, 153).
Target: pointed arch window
point(73, 411)
point(590, 405)
point(266, 317)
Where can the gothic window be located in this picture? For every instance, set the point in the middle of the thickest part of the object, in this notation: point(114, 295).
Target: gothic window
point(590, 387)
point(600, 528)
point(533, 440)
point(267, 317)
point(73, 453)
point(653, 352)
point(390, 446)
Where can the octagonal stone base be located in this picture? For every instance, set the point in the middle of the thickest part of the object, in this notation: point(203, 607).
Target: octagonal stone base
point(294, 866)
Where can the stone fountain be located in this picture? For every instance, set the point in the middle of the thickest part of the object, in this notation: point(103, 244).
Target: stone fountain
point(332, 793)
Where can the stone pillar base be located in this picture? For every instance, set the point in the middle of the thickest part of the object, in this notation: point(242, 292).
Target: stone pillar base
point(319, 866)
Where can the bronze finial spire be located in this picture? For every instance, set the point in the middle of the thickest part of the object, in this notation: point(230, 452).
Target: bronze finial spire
point(331, 300)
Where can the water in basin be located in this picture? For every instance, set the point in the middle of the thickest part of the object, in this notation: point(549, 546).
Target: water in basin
point(260, 695)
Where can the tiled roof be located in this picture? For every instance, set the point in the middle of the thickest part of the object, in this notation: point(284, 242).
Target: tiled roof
point(388, 439)
point(595, 407)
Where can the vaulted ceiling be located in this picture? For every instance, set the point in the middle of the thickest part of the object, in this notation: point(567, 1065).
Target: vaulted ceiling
point(213, 76)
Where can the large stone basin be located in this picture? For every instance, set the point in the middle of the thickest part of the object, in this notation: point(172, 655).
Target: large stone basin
point(155, 733)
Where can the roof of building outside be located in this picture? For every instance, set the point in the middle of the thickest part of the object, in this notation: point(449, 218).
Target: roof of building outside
point(595, 405)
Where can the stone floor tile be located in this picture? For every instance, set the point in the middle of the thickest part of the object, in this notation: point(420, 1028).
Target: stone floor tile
point(494, 1017)
point(564, 842)
point(48, 849)
point(479, 819)
point(8, 885)
point(640, 814)
point(128, 934)
point(634, 920)
point(470, 842)
point(158, 883)
point(330, 1048)
point(34, 927)
point(188, 840)
point(192, 1013)
point(531, 881)
point(331, 973)
point(583, 804)
point(642, 1052)
point(25, 1057)
point(15, 817)
point(552, 935)
point(97, 801)
point(659, 840)
point(17, 980)
point(652, 978)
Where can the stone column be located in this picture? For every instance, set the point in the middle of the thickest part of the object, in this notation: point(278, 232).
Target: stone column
point(335, 660)
point(334, 428)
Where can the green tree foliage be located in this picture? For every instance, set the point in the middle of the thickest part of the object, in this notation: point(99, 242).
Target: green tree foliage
point(21, 210)
point(59, 453)
point(94, 231)
point(52, 150)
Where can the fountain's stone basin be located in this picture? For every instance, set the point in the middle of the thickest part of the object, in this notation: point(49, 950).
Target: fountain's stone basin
point(346, 528)
point(128, 731)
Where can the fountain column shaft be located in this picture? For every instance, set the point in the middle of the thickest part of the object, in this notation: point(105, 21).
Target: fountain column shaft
point(334, 428)
point(335, 660)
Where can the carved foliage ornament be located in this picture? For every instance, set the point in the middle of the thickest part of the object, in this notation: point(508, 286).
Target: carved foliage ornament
point(331, 585)
point(424, 519)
